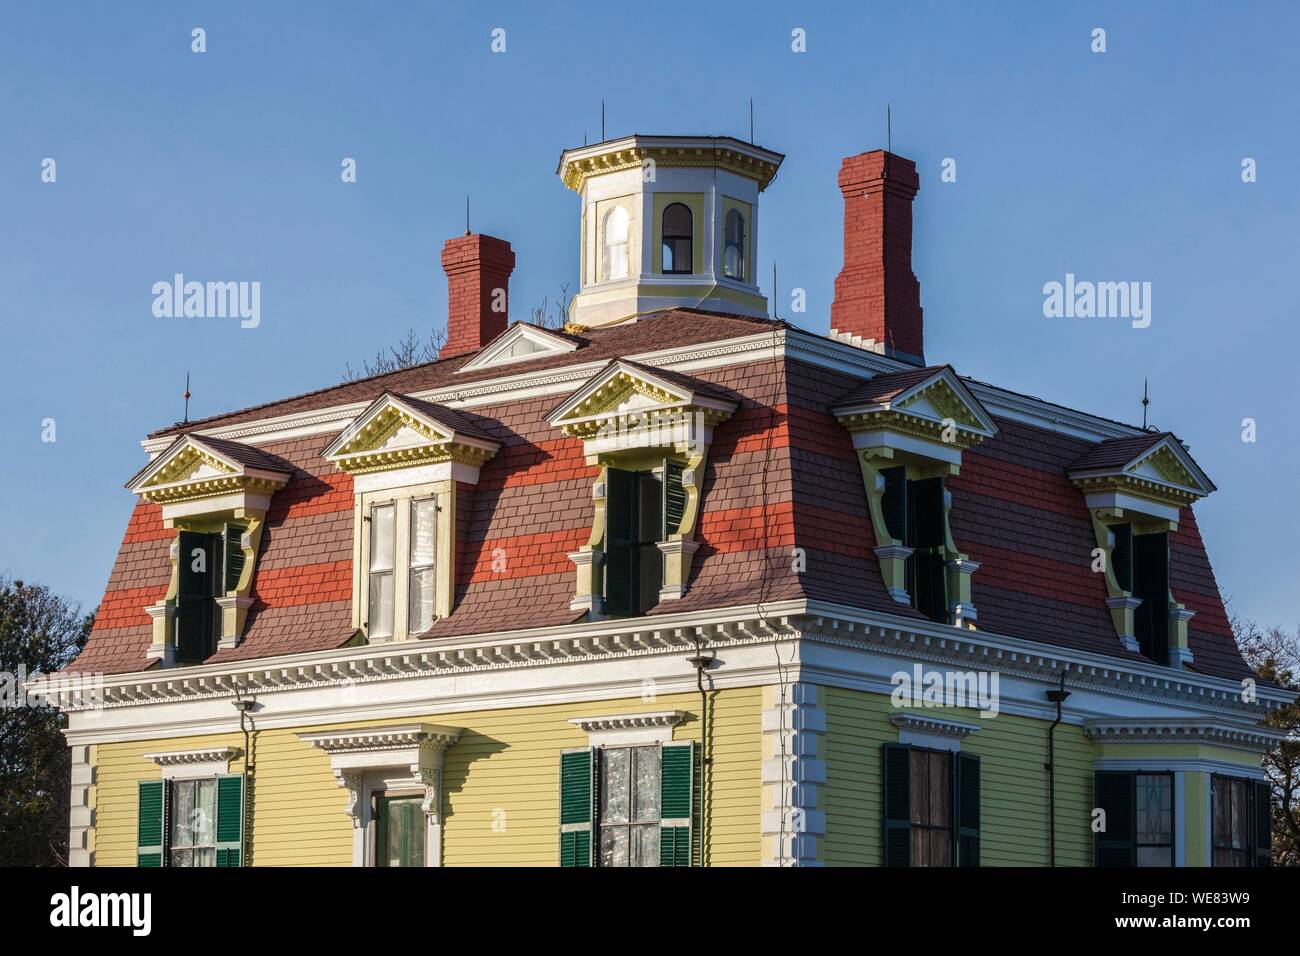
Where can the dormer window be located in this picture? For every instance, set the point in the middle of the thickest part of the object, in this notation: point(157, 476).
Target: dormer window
point(406, 457)
point(1135, 488)
point(215, 493)
point(909, 429)
point(614, 259)
point(733, 253)
point(677, 239)
point(649, 431)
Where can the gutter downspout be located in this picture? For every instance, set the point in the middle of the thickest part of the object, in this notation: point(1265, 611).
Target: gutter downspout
point(1057, 697)
point(245, 707)
point(700, 662)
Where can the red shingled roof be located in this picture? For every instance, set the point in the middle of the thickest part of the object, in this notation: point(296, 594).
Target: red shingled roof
point(781, 474)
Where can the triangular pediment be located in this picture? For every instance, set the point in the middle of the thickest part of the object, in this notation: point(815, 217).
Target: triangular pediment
point(1162, 464)
point(628, 388)
point(933, 396)
point(188, 459)
point(196, 466)
point(396, 431)
point(520, 343)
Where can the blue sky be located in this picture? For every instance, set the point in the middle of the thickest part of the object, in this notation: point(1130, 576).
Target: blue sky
point(225, 165)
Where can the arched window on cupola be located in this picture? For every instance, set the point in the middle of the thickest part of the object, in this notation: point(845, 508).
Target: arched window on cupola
point(614, 261)
point(677, 249)
point(733, 250)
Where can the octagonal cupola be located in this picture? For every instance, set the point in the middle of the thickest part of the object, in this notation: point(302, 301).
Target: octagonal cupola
point(668, 222)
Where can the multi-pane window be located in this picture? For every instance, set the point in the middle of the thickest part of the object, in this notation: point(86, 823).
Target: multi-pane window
point(629, 806)
point(1231, 826)
point(399, 831)
point(1154, 819)
point(676, 249)
point(931, 812)
point(422, 590)
point(192, 840)
point(383, 540)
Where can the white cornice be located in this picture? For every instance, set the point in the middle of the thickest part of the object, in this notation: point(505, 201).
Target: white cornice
point(929, 724)
point(177, 758)
point(383, 739)
point(508, 663)
point(1220, 733)
point(609, 722)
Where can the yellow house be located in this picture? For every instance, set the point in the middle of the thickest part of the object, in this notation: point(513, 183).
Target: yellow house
point(677, 584)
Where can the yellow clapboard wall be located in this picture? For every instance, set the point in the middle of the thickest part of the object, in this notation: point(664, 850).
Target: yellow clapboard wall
point(500, 784)
point(1013, 784)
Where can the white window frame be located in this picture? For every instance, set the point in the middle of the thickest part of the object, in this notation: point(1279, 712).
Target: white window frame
point(402, 499)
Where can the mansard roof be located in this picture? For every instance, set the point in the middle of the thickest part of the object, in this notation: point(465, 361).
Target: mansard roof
point(781, 463)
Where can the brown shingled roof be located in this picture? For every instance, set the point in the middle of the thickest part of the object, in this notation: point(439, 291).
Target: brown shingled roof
point(451, 418)
point(670, 329)
point(1118, 452)
point(882, 388)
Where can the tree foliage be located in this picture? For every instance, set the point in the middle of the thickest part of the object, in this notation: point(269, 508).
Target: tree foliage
point(40, 632)
point(408, 351)
point(1274, 654)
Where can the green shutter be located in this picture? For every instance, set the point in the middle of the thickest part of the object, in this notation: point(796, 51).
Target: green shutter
point(194, 604)
point(674, 497)
point(1151, 584)
point(1121, 555)
point(676, 804)
point(230, 819)
point(967, 813)
point(149, 828)
point(1115, 792)
point(1263, 823)
point(234, 555)
point(893, 502)
point(577, 776)
point(620, 542)
point(898, 804)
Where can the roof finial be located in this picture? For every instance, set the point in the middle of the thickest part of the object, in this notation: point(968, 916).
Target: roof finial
point(186, 420)
point(1145, 402)
point(751, 121)
point(467, 214)
point(602, 119)
point(889, 130)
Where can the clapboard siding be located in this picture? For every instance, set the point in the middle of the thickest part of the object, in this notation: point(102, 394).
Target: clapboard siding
point(500, 785)
point(1013, 789)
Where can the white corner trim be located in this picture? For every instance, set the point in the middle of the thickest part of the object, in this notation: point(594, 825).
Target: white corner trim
point(191, 764)
point(937, 733)
point(615, 730)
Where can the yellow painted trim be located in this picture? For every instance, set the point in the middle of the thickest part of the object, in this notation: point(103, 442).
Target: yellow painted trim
point(694, 202)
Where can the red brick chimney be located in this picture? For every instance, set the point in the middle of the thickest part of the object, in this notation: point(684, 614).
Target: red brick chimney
point(877, 297)
point(478, 291)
